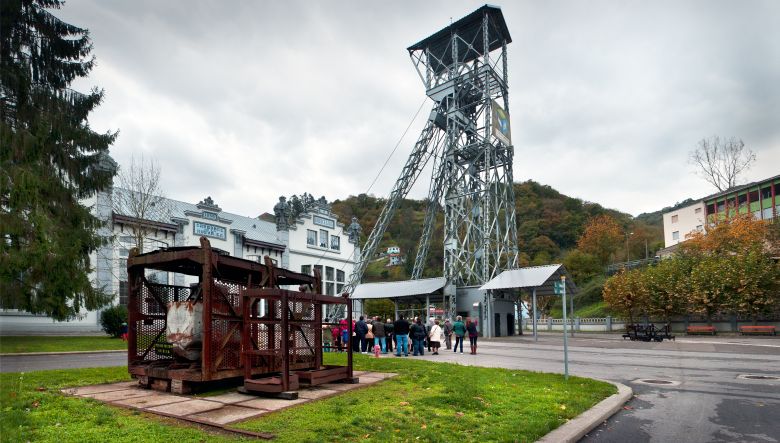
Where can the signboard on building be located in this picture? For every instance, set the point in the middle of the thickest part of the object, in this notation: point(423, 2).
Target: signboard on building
point(500, 124)
point(209, 230)
point(322, 221)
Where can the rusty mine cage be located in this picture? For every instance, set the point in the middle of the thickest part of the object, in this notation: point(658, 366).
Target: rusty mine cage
point(273, 352)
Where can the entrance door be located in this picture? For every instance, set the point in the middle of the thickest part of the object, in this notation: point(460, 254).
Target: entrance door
point(510, 324)
point(498, 325)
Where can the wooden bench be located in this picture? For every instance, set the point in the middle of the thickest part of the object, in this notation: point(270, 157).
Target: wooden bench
point(700, 330)
point(757, 330)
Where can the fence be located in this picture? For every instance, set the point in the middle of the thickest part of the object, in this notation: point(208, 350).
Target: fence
point(614, 324)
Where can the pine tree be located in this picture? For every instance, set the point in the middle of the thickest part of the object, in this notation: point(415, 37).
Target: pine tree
point(51, 161)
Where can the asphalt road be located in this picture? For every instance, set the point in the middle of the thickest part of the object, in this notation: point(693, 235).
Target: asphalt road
point(21, 363)
point(705, 401)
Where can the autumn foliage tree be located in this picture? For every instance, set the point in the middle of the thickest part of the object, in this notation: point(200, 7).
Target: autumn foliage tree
point(727, 268)
point(668, 287)
point(602, 237)
point(627, 294)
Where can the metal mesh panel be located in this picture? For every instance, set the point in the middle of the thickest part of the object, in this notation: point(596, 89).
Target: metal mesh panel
point(226, 325)
point(302, 339)
point(152, 305)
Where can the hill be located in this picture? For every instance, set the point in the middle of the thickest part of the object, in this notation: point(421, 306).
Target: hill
point(549, 224)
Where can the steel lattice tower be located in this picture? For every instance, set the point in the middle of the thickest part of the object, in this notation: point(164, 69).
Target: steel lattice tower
point(464, 70)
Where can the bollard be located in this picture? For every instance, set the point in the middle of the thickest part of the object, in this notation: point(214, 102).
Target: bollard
point(609, 323)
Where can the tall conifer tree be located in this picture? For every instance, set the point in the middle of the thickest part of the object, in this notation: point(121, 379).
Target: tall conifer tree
point(51, 161)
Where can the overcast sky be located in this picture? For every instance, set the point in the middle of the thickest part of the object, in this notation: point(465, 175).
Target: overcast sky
point(246, 101)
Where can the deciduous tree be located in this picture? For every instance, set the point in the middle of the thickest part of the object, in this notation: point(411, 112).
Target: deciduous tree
point(51, 161)
point(626, 293)
point(721, 161)
point(602, 237)
point(140, 197)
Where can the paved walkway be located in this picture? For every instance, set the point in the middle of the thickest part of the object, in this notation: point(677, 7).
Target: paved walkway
point(219, 410)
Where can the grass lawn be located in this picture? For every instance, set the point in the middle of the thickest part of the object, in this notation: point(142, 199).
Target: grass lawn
point(429, 401)
point(438, 402)
point(13, 344)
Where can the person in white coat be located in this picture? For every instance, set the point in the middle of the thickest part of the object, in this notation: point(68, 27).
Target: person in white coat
point(435, 337)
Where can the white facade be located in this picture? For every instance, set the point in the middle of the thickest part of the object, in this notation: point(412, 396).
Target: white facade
point(182, 224)
point(317, 240)
point(678, 224)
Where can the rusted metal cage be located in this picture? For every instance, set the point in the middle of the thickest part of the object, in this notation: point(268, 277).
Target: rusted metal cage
point(230, 338)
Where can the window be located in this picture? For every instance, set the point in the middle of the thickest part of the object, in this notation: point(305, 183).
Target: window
point(721, 206)
point(697, 211)
point(335, 242)
point(710, 208)
point(699, 227)
point(123, 252)
point(330, 289)
point(742, 200)
point(766, 193)
point(675, 218)
point(306, 269)
point(323, 238)
point(753, 196)
point(328, 273)
point(311, 237)
point(123, 298)
point(340, 276)
point(339, 288)
point(318, 268)
point(676, 235)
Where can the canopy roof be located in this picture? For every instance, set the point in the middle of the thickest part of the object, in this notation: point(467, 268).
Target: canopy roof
point(396, 289)
point(469, 28)
point(539, 277)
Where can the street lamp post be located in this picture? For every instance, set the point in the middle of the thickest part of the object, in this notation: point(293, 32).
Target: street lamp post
point(628, 255)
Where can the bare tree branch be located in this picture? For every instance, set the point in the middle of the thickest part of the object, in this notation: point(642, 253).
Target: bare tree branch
point(140, 197)
point(720, 162)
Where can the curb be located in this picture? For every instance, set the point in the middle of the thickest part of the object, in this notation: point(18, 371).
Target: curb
point(18, 354)
point(576, 428)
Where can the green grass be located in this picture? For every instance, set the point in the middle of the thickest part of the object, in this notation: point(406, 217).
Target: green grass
point(438, 402)
point(33, 409)
point(432, 401)
point(13, 344)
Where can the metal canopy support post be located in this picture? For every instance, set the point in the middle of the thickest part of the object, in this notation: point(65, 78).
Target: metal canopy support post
point(536, 337)
point(395, 306)
point(565, 341)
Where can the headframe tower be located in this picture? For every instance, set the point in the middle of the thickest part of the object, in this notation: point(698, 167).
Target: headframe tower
point(467, 136)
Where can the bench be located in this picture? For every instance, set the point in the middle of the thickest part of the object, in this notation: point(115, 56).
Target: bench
point(701, 330)
point(757, 330)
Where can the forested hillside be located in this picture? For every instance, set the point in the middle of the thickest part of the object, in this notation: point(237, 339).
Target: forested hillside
point(549, 226)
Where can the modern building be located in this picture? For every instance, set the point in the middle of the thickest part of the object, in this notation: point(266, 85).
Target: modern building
point(760, 198)
point(312, 239)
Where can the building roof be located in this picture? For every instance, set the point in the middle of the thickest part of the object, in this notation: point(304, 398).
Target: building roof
point(469, 28)
point(395, 289)
point(253, 228)
point(738, 188)
point(539, 277)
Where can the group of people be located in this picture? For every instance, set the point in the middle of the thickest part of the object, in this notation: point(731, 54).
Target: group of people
point(405, 336)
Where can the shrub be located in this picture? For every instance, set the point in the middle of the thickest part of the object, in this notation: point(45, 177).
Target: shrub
point(111, 320)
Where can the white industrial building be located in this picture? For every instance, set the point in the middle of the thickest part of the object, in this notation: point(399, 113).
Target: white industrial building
point(313, 239)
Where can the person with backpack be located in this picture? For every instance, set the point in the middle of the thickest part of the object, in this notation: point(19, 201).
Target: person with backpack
point(418, 337)
point(361, 329)
point(379, 334)
point(459, 329)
